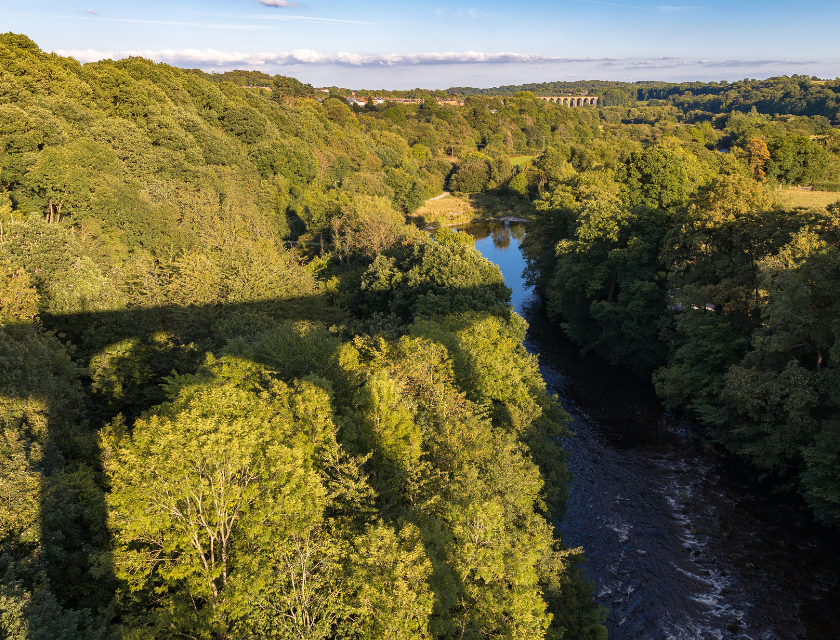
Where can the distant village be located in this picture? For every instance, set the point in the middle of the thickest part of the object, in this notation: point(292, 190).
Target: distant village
point(362, 101)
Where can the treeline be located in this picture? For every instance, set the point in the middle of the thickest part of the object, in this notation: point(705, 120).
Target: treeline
point(793, 150)
point(206, 431)
point(797, 150)
point(685, 264)
point(280, 86)
point(414, 94)
point(594, 87)
point(795, 95)
point(184, 155)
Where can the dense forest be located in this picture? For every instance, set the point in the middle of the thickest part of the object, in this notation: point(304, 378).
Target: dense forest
point(559, 88)
point(795, 95)
point(690, 265)
point(284, 86)
point(667, 240)
point(240, 396)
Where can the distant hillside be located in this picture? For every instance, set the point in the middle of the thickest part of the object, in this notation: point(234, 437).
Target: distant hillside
point(555, 88)
point(794, 95)
point(283, 85)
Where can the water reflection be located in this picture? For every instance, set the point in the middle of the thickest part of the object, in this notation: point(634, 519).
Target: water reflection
point(499, 242)
point(500, 233)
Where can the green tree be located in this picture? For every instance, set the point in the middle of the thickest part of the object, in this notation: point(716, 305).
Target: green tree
point(390, 574)
point(239, 480)
point(796, 160)
point(472, 174)
point(606, 283)
point(18, 298)
point(52, 525)
point(780, 398)
point(654, 178)
point(440, 275)
point(369, 225)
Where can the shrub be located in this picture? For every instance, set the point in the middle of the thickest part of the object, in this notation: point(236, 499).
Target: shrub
point(826, 186)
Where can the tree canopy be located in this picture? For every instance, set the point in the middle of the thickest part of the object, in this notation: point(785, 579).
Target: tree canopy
point(239, 395)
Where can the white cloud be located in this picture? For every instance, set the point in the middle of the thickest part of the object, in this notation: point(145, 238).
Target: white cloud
point(279, 4)
point(753, 63)
point(214, 57)
point(283, 17)
point(475, 13)
point(91, 12)
point(209, 58)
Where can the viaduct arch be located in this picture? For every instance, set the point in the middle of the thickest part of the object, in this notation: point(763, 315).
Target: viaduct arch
point(571, 101)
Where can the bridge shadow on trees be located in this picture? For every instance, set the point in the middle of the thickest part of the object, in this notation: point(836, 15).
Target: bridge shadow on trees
point(63, 380)
point(128, 353)
point(73, 381)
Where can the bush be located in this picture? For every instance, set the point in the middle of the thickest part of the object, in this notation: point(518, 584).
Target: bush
point(471, 177)
point(826, 186)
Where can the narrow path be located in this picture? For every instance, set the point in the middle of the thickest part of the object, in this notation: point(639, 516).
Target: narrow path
point(442, 195)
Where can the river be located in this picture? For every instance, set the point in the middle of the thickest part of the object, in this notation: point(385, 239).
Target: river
point(682, 541)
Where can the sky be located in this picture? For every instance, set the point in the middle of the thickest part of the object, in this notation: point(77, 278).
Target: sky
point(409, 43)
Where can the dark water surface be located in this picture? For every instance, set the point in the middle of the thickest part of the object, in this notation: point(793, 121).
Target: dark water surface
point(681, 540)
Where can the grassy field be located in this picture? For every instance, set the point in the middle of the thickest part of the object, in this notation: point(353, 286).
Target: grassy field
point(447, 210)
point(516, 161)
point(796, 198)
point(451, 210)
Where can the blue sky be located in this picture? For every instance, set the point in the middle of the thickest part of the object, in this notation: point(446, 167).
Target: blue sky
point(386, 44)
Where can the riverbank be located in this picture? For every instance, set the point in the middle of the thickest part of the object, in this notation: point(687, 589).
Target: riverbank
point(448, 210)
point(502, 220)
point(682, 540)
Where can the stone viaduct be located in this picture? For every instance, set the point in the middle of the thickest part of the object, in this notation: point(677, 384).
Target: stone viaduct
point(572, 101)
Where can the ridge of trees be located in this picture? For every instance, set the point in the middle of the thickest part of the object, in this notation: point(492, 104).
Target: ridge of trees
point(797, 95)
point(283, 86)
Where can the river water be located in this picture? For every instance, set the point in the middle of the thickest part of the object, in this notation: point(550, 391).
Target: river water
point(682, 541)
